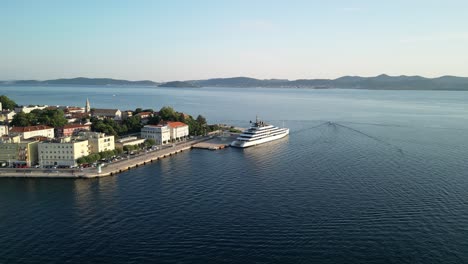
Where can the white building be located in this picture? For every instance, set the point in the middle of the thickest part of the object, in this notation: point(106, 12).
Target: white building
point(98, 142)
point(32, 131)
point(129, 141)
point(161, 134)
point(7, 115)
point(115, 114)
point(28, 109)
point(179, 130)
point(3, 130)
point(62, 152)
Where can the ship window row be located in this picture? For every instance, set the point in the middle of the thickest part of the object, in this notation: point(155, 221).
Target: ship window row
point(264, 132)
point(258, 138)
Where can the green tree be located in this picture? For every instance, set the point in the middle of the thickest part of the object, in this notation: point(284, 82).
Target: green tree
point(51, 117)
point(118, 151)
point(22, 119)
point(167, 113)
point(150, 142)
point(133, 124)
point(154, 120)
point(7, 103)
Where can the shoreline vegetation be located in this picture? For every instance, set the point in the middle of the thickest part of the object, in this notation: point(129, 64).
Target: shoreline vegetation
point(380, 82)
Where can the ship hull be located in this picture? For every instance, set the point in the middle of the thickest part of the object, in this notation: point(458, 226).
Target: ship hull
point(246, 144)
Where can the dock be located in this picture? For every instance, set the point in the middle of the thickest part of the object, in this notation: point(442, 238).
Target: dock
point(216, 142)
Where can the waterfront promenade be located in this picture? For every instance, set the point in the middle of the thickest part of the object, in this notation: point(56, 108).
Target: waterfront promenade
point(132, 161)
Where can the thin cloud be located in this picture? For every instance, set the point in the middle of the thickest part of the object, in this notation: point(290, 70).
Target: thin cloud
point(451, 36)
point(259, 25)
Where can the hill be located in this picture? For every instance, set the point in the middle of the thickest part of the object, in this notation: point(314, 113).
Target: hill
point(179, 84)
point(380, 82)
point(82, 81)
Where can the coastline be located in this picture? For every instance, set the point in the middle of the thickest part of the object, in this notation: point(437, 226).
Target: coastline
point(110, 169)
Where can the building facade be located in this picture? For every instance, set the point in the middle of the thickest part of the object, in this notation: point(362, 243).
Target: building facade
point(129, 141)
point(71, 129)
point(28, 109)
point(15, 151)
point(3, 130)
point(98, 142)
point(7, 115)
point(160, 133)
point(115, 114)
point(32, 131)
point(179, 130)
point(63, 152)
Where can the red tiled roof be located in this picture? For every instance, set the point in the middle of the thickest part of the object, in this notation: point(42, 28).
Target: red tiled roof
point(144, 113)
point(28, 129)
point(176, 124)
point(76, 126)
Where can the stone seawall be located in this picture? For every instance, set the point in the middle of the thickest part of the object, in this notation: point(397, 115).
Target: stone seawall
point(108, 170)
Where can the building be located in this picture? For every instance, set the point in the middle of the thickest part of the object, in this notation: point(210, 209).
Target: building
point(62, 152)
point(3, 130)
point(88, 106)
point(30, 108)
point(71, 129)
point(115, 114)
point(129, 141)
point(160, 133)
point(33, 131)
point(7, 115)
point(98, 142)
point(127, 114)
point(179, 130)
point(15, 151)
point(144, 115)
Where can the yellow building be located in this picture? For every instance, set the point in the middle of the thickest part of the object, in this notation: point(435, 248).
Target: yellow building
point(98, 142)
point(17, 152)
point(62, 152)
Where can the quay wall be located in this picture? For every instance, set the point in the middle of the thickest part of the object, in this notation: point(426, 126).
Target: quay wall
point(108, 170)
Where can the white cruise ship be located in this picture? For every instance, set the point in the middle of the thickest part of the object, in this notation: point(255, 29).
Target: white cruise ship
point(259, 133)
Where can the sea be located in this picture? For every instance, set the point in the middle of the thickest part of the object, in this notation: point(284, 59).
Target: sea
point(365, 176)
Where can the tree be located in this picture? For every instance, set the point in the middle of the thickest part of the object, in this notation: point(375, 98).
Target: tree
point(133, 124)
point(138, 110)
point(51, 117)
point(167, 113)
point(48, 117)
point(7, 103)
point(22, 119)
point(118, 151)
point(154, 120)
point(150, 142)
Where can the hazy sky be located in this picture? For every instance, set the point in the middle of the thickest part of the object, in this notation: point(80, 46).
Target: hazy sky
point(181, 40)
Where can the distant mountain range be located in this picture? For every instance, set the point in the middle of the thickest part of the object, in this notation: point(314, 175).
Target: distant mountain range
point(381, 82)
point(81, 81)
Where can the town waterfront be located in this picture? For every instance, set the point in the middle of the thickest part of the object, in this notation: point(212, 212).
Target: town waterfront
point(385, 182)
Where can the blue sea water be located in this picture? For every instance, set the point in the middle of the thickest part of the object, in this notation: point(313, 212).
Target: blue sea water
point(385, 182)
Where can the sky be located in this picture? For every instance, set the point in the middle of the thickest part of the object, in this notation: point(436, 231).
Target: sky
point(185, 40)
